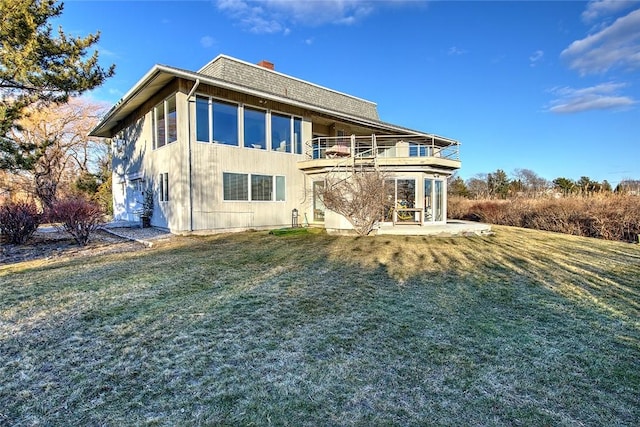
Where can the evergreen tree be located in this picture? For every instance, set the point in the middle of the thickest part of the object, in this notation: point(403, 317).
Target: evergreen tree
point(457, 187)
point(37, 66)
point(565, 185)
point(498, 183)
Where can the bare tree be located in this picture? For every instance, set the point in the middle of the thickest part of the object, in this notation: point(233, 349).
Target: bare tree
point(478, 186)
point(359, 196)
point(533, 184)
point(56, 136)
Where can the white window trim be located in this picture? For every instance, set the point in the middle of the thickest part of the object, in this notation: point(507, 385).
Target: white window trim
point(242, 107)
point(249, 200)
point(154, 122)
point(210, 101)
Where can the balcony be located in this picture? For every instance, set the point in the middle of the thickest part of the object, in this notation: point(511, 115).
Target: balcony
point(400, 152)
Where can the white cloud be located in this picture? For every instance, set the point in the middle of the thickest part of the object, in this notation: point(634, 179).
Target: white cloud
point(615, 45)
point(454, 50)
point(597, 9)
point(207, 41)
point(274, 16)
point(604, 96)
point(536, 57)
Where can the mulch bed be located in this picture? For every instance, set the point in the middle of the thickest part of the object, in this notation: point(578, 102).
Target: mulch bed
point(50, 245)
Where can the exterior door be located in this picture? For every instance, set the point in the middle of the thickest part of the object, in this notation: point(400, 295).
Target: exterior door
point(134, 199)
point(401, 194)
point(434, 200)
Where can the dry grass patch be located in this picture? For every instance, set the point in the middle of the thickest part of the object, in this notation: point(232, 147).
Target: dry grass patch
point(523, 327)
point(603, 216)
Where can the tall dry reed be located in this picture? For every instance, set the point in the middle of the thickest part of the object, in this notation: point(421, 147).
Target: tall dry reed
point(604, 216)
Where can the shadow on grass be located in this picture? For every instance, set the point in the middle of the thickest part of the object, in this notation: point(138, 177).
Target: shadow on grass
point(254, 328)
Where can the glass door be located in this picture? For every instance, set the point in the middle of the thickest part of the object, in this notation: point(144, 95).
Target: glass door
point(433, 200)
point(401, 195)
point(318, 205)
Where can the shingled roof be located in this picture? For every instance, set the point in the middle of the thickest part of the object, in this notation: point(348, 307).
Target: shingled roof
point(260, 78)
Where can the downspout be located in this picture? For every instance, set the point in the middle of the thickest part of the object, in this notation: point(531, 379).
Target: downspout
point(193, 89)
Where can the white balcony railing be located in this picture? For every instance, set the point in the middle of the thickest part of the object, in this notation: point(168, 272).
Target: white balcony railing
point(389, 146)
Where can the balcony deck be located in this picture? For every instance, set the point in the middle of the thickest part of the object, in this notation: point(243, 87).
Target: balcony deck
point(381, 150)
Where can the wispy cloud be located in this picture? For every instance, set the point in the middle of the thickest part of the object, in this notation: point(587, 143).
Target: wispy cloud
point(535, 58)
point(615, 45)
point(207, 41)
point(597, 9)
point(604, 96)
point(455, 51)
point(277, 16)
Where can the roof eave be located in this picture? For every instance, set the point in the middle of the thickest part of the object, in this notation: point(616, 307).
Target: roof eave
point(128, 103)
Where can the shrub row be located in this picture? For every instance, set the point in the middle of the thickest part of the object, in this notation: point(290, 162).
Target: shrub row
point(77, 216)
point(610, 217)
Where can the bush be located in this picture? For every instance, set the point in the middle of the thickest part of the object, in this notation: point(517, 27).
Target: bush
point(19, 220)
point(610, 217)
point(78, 217)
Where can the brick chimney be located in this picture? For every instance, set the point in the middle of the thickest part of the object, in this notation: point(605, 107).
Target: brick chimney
point(266, 64)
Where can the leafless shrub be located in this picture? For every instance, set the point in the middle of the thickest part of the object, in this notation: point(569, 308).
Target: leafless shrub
point(19, 220)
point(78, 217)
point(358, 196)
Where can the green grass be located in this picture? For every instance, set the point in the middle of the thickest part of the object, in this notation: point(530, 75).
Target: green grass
point(521, 328)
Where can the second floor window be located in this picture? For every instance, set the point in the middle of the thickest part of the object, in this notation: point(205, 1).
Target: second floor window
point(165, 123)
point(255, 129)
point(216, 121)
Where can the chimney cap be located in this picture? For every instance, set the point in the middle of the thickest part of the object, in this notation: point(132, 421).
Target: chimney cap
point(266, 64)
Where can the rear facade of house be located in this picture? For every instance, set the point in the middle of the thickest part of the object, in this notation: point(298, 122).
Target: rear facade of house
point(237, 146)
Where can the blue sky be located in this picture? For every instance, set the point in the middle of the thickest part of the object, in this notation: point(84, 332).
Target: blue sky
point(549, 86)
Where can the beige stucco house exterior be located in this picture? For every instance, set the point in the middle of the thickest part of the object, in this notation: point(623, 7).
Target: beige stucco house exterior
point(236, 146)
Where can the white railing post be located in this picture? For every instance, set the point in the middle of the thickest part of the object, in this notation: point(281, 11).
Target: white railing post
point(374, 149)
point(353, 149)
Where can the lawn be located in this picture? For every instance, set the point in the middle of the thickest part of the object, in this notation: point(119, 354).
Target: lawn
point(520, 328)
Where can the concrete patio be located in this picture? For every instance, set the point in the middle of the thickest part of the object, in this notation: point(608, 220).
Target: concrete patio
point(451, 229)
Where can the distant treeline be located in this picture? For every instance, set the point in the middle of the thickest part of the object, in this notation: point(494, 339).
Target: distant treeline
point(526, 183)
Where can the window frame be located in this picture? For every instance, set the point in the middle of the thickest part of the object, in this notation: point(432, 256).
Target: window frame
point(165, 128)
point(267, 123)
point(245, 190)
point(163, 187)
point(277, 187)
point(211, 102)
point(261, 186)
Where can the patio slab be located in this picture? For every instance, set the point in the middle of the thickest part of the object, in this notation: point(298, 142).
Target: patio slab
point(451, 229)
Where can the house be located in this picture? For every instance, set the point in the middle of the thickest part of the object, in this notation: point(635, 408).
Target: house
point(236, 146)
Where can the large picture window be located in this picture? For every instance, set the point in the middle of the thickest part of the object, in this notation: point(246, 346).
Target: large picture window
point(239, 186)
point(165, 123)
point(219, 122)
point(280, 133)
point(216, 121)
point(225, 123)
point(255, 129)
